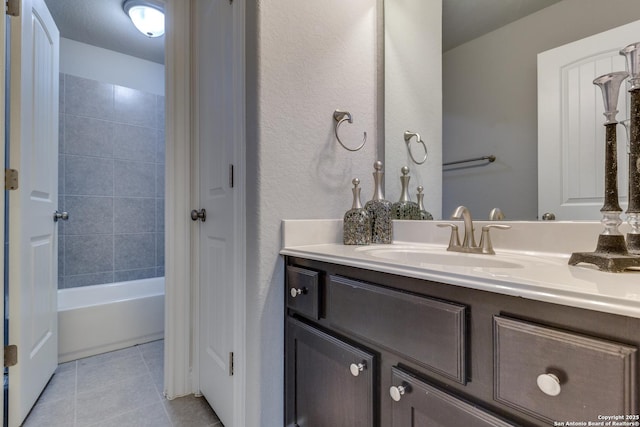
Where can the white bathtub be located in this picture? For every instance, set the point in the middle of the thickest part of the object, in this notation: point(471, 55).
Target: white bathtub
point(101, 318)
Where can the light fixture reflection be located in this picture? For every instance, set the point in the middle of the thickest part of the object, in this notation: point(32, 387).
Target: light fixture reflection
point(147, 16)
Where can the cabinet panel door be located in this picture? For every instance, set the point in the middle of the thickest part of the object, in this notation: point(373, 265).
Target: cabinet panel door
point(427, 331)
point(592, 376)
point(422, 405)
point(321, 389)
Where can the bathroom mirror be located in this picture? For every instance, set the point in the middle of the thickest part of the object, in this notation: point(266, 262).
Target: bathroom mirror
point(489, 95)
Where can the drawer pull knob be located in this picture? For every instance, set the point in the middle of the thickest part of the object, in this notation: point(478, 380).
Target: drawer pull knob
point(297, 291)
point(357, 368)
point(396, 392)
point(549, 384)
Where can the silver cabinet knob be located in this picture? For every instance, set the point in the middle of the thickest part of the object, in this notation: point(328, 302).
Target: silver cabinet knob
point(199, 215)
point(297, 291)
point(57, 215)
point(357, 368)
point(396, 392)
point(549, 384)
point(548, 216)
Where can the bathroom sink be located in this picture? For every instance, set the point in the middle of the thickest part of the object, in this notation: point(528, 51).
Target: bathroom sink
point(429, 256)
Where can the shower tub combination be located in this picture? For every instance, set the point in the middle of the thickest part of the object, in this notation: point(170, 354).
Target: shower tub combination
point(101, 318)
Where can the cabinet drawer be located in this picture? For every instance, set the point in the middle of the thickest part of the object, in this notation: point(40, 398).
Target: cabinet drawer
point(583, 376)
point(328, 382)
point(302, 291)
point(427, 331)
point(417, 403)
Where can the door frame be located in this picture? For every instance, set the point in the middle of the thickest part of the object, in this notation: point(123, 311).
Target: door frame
point(181, 241)
point(3, 52)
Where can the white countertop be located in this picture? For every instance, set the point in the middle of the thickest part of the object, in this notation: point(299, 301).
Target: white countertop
point(541, 272)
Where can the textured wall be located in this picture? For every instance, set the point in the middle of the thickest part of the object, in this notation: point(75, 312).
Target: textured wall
point(111, 182)
point(305, 59)
point(490, 103)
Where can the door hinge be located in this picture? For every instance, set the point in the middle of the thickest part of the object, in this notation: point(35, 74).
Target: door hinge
point(13, 7)
point(10, 355)
point(230, 176)
point(231, 363)
point(10, 179)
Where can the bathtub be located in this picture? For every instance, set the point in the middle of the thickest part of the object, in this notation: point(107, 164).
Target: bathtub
point(101, 318)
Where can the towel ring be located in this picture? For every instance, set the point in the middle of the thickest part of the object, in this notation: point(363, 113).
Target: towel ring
point(407, 138)
point(340, 117)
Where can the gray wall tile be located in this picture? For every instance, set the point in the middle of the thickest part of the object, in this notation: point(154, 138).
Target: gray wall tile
point(88, 254)
point(134, 215)
point(134, 107)
point(87, 136)
point(159, 249)
point(126, 275)
point(89, 215)
point(89, 98)
point(112, 145)
point(61, 118)
point(160, 150)
point(160, 181)
point(134, 143)
point(88, 176)
point(160, 215)
point(61, 175)
point(91, 279)
point(61, 93)
point(134, 179)
point(133, 251)
point(160, 112)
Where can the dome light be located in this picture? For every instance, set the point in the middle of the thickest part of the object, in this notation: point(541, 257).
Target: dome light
point(147, 16)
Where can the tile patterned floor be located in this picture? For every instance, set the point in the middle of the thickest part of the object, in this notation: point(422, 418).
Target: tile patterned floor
point(118, 389)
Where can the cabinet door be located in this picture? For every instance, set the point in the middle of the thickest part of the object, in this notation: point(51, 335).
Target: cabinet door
point(328, 381)
point(418, 404)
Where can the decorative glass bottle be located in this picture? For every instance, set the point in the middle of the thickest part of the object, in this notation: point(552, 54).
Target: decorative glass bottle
point(379, 209)
point(405, 208)
point(423, 213)
point(357, 224)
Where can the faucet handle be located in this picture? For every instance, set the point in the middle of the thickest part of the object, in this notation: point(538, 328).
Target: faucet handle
point(485, 240)
point(454, 240)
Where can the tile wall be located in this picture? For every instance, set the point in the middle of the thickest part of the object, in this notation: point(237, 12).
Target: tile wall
point(111, 182)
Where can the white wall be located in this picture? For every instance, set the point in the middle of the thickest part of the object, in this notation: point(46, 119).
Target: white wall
point(304, 60)
point(413, 97)
point(91, 62)
point(490, 103)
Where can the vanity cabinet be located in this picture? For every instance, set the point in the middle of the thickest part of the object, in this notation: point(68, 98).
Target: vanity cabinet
point(365, 348)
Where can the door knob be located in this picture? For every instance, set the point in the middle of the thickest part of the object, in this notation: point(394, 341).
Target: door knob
point(60, 215)
point(297, 291)
point(356, 368)
point(199, 215)
point(549, 384)
point(396, 392)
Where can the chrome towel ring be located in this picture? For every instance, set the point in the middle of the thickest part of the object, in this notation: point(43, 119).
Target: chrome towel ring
point(407, 138)
point(341, 116)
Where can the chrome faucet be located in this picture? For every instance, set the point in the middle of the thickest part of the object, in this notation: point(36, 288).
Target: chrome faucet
point(468, 241)
point(463, 213)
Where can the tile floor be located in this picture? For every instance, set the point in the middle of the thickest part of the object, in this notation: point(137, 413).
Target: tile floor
point(118, 389)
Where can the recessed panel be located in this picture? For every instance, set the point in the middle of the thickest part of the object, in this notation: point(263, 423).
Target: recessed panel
point(42, 301)
point(44, 124)
point(214, 289)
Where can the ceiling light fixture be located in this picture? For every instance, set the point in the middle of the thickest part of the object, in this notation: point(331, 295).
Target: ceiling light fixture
point(146, 15)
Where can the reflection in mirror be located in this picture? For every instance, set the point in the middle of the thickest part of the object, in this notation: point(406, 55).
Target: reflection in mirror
point(490, 101)
point(413, 98)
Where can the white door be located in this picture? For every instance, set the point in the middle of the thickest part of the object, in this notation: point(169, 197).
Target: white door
point(571, 125)
point(214, 130)
point(33, 249)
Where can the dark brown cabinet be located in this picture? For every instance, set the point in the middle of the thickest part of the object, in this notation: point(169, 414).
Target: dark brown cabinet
point(329, 382)
point(419, 404)
point(365, 348)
